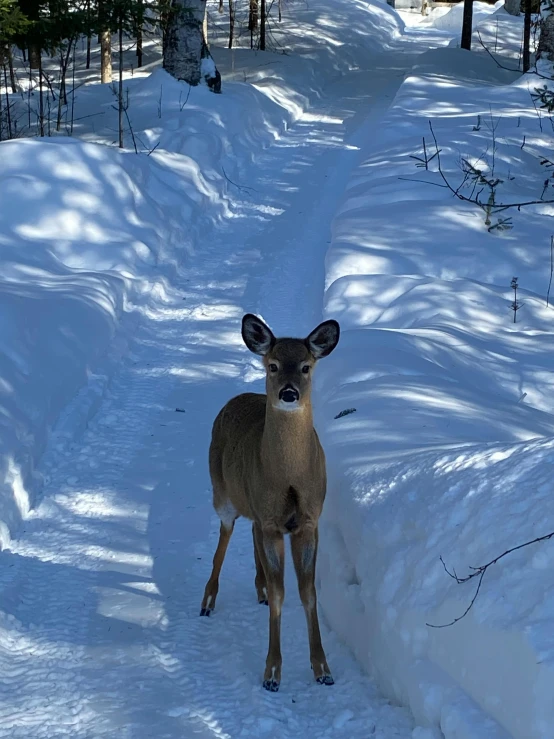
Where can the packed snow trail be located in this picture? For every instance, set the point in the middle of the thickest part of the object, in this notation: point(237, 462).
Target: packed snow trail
point(99, 628)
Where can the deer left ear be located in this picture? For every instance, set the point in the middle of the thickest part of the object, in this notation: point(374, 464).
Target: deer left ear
point(323, 339)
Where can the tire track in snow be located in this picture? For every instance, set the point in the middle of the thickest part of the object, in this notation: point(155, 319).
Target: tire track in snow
point(99, 631)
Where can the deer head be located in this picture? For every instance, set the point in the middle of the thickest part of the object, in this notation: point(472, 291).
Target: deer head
point(289, 363)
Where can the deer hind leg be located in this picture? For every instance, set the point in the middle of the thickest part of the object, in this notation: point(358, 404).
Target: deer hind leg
point(304, 555)
point(212, 586)
point(260, 581)
point(271, 550)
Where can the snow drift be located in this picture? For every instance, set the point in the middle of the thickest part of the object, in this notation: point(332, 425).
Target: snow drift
point(88, 233)
point(445, 447)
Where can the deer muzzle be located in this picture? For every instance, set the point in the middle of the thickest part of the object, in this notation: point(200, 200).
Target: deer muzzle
point(289, 394)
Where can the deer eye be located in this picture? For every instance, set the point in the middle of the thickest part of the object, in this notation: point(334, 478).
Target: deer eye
point(273, 367)
point(306, 369)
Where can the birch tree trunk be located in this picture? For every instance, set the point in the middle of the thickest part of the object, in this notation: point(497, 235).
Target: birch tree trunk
point(105, 56)
point(186, 55)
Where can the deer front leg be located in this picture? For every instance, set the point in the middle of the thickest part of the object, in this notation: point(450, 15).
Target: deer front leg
point(304, 555)
point(260, 581)
point(212, 586)
point(271, 550)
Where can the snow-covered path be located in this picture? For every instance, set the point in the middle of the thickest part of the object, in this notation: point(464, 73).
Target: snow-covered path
point(99, 627)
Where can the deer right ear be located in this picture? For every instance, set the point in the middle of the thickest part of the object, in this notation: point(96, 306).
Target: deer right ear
point(256, 335)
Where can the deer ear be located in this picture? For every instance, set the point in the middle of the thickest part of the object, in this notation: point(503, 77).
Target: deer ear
point(256, 335)
point(323, 339)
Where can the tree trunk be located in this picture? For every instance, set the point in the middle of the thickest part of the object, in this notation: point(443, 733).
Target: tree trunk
point(34, 56)
point(262, 25)
point(73, 92)
point(62, 97)
point(12, 71)
point(186, 55)
point(89, 36)
point(467, 25)
point(138, 31)
point(546, 38)
point(231, 22)
point(1, 118)
point(106, 56)
point(8, 107)
point(527, 36)
point(120, 94)
point(139, 47)
point(40, 98)
point(513, 7)
point(252, 20)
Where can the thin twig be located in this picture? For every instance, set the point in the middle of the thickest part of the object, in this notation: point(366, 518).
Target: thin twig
point(240, 187)
point(509, 69)
point(551, 270)
point(457, 193)
point(414, 179)
point(467, 610)
point(480, 573)
point(186, 99)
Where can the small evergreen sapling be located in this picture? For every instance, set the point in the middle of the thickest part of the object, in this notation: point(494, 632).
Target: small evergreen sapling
point(516, 304)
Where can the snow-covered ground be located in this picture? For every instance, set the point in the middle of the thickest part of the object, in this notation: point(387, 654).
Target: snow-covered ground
point(124, 279)
point(449, 452)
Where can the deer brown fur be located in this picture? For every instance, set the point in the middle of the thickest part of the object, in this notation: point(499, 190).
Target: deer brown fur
point(267, 464)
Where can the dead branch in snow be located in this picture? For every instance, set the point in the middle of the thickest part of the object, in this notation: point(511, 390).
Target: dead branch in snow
point(479, 572)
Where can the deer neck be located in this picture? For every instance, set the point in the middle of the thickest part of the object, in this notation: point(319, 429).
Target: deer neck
point(288, 440)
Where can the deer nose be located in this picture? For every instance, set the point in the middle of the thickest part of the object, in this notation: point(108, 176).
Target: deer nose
point(289, 394)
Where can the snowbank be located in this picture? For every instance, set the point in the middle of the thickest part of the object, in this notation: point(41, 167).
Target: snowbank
point(68, 248)
point(90, 235)
point(450, 19)
point(449, 451)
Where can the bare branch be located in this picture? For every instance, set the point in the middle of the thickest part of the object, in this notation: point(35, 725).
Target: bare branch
point(458, 194)
point(479, 572)
point(240, 187)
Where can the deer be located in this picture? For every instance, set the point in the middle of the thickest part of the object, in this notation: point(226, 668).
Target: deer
point(267, 464)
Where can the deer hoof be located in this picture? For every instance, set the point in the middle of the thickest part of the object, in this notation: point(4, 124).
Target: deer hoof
point(271, 685)
point(325, 680)
point(205, 611)
point(263, 602)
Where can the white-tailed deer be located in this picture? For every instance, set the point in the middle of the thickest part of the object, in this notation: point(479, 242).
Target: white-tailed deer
point(266, 464)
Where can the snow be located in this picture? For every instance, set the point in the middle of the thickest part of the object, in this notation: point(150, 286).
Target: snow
point(451, 20)
point(449, 450)
point(124, 280)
